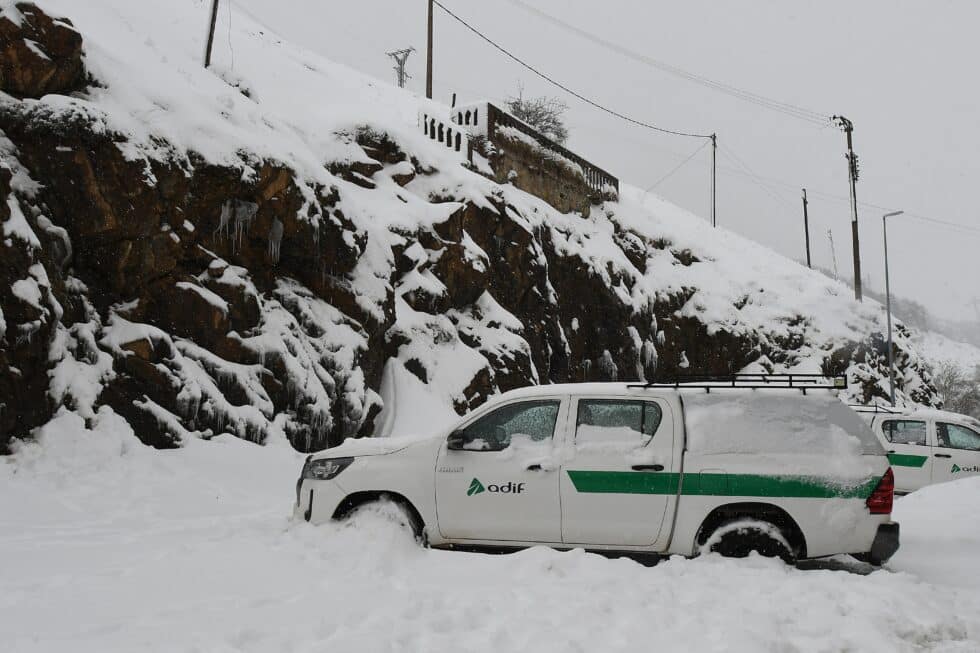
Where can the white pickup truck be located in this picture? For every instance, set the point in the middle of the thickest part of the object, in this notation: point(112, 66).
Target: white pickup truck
point(926, 446)
point(632, 469)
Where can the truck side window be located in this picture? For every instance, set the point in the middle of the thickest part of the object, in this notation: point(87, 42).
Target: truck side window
point(954, 436)
point(617, 421)
point(899, 431)
point(534, 420)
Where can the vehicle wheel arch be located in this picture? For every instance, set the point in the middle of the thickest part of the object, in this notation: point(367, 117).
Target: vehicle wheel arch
point(766, 512)
point(355, 500)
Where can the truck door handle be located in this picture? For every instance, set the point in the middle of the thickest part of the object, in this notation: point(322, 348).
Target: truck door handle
point(943, 455)
point(891, 451)
point(534, 468)
point(654, 468)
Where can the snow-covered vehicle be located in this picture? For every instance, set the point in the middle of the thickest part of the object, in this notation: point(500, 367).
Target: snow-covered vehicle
point(926, 446)
point(629, 468)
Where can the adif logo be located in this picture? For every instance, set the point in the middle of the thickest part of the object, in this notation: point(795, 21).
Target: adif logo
point(475, 487)
point(973, 470)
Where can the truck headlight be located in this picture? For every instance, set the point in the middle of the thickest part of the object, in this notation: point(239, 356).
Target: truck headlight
point(324, 469)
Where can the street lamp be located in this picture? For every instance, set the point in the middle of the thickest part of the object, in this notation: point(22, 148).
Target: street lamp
point(888, 304)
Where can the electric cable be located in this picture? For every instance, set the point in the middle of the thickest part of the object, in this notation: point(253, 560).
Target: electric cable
point(562, 86)
point(678, 167)
point(792, 110)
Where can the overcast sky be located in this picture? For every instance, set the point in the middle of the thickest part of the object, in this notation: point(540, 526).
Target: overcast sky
point(904, 72)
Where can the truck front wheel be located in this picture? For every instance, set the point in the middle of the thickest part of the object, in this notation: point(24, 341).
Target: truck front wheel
point(739, 537)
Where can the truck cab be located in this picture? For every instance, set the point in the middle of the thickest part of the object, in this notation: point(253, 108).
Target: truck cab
point(926, 446)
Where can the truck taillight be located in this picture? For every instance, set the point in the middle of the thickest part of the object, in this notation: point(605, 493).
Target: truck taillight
point(880, 501)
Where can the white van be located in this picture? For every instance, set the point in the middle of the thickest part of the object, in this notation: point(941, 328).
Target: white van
point(926, 446)
point(629, 468)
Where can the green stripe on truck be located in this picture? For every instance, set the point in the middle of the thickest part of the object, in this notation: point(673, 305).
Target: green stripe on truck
point(726, 485)
point(906, 460)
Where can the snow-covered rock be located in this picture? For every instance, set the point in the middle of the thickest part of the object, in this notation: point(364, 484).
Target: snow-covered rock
point(277, 250)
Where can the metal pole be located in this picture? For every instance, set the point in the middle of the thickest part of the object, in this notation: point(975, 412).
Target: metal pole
point(888, 305)
point(214, 19)
point(428, 58)
point(852, 172)
point(806, 229)
point(714, 168)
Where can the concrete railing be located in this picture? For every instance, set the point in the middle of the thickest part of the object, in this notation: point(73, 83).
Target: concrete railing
point(485, 119)
point(451, 135)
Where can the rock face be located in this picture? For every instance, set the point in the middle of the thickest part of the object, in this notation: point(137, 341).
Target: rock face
point(194, 299)
point(39, 55)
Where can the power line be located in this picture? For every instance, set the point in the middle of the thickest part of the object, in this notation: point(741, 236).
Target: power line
point(678, 167)
point(562, 86)
point(786, 108)
point(870, 205)
point(794, 111)
point(727, 151)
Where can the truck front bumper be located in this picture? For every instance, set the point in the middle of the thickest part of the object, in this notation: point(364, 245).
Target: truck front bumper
point(885, 543)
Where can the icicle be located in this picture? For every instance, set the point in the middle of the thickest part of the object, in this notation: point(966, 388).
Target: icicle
point(608, 369)
point(244, 214)
point(226, 211)
point(275, 240)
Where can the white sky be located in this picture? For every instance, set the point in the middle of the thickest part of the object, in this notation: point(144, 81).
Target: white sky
point(903, 71)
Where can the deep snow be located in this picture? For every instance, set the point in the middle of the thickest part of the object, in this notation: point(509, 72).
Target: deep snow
point(111, 546)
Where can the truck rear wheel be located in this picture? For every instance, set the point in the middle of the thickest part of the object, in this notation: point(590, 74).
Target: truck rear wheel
point(739, 537)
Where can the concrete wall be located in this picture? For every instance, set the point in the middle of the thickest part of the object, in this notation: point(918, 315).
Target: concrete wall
point(526, 168)
point(519, 154)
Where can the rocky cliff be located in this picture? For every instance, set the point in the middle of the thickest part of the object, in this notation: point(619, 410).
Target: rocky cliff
point(191, 249)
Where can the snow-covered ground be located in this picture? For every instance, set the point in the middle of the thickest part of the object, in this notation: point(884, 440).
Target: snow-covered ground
point(937, 348)
point(111, 546)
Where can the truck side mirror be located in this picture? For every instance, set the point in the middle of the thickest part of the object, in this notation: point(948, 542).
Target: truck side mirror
point(455, 441)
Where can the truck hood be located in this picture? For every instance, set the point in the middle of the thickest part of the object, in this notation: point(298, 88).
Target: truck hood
point(357, 447)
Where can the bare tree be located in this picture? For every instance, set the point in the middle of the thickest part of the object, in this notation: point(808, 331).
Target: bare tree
point(543, 113)
point(958, 391)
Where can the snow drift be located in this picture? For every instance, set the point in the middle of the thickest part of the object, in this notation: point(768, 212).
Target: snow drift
point(111, 546)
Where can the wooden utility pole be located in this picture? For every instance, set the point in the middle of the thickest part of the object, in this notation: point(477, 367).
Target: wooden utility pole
point(852, 171)
point(714, 169)
point(806, 230)
point(214, 19)
point(428, 57)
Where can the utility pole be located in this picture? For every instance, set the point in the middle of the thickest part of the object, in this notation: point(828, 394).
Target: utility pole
point(428, 58)
point(714, 169)
point(400, 57)
point(833, 254)
point(888, 304)
point(806, 230)
point(852, 170)
point(214, 19)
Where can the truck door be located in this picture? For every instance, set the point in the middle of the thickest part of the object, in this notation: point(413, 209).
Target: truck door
point(907, 443)
point(619, 473)
point(497, 476)
point(957, 453)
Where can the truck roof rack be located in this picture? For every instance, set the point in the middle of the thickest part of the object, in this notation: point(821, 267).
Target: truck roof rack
point(876, 408)
point(709, 382)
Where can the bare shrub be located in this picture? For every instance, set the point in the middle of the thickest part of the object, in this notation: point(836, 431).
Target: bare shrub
point(543, 113)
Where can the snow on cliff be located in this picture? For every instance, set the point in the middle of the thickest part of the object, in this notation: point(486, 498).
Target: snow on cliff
point(437, 275)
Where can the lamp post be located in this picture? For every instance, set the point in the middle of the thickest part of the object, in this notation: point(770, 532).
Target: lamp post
point(888, 304)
